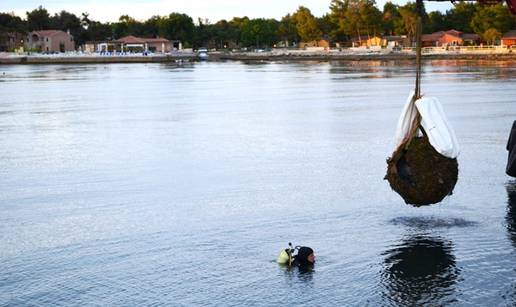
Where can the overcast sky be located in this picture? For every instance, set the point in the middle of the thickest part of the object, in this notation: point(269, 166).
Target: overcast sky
point(214, 10)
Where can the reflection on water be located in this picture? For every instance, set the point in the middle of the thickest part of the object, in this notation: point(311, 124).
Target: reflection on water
point(297, 276)
point(431, 222)
point(510, 219)
point(419, 271)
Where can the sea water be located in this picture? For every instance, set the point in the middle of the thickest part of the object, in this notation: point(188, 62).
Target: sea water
point(179, 184)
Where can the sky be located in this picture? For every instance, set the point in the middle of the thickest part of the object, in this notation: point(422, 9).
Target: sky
point(213, 10)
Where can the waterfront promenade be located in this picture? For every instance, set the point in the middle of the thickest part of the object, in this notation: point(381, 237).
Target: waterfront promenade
point(356, 54)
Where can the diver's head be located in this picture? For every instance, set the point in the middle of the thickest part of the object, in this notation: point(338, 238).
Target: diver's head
point(305, 256)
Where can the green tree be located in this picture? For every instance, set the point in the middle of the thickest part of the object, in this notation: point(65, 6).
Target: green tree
point(306, 25)
point(371, 17)
point(69, 22)
point(352, 23)
point(202, 33)
point(151, 26)
point(219, 33)
point(98, 31)
point(94, 30)
point(85, 20)
point(66, 21)
point(120, 28)
point(491, 36)
point(436, 22)
point(495, 17)
point(460, 16)
point(357, 17)
point(326, 24)
point(11, 23)
point(177, 26)
point(38, 19)
point(260, 32)
point(409, 17)
point(127, 25)
point(224, 32)
point(391, 17)
point(287, 30)
point(237, 23)
point(338, 10)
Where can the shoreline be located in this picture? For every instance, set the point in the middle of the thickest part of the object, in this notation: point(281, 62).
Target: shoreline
point(366, 57)
point(89, 59)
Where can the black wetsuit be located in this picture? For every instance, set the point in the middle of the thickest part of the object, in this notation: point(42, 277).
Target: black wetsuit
point(301, 259)
point(511, 147)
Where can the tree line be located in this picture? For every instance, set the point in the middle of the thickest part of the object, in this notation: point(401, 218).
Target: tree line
point(344, 20)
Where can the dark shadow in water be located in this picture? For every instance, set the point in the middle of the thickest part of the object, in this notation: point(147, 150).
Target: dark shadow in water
point(180, 65)
point(420, 271)
point(422, 222)
point(510, 296)
point(302, 274)
point(510, 218)
point(255, 62)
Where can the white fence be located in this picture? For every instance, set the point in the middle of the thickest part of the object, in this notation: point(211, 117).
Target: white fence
point(464, 50)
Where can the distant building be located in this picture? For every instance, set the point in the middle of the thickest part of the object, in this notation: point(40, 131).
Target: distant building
point(11, 40)
point(509, 39)
point(322, 43)
point(50, 41)
point(286, 44)
point(470, 39)
point(396, 41)
point(449, 38)
point(99, 46)
point(128, 43)
point(367, 41)
point(133, 44)
point(377, 41)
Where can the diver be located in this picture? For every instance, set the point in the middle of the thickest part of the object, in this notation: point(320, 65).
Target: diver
point(305, 257)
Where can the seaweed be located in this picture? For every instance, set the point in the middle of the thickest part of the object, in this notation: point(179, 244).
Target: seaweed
point(421, 175)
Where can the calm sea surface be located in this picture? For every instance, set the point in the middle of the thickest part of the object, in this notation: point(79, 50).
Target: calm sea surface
point(158, 184)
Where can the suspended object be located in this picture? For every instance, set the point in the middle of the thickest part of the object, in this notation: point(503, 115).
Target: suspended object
point(423, 169)
point(421, 175)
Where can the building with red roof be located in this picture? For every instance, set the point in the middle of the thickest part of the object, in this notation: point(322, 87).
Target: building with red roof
point(132, 43)
point(449, 38)
point(509, 39)
point(147, 44)
point(50, 41)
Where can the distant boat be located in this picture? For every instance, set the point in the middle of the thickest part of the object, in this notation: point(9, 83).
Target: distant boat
point(202, 54)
